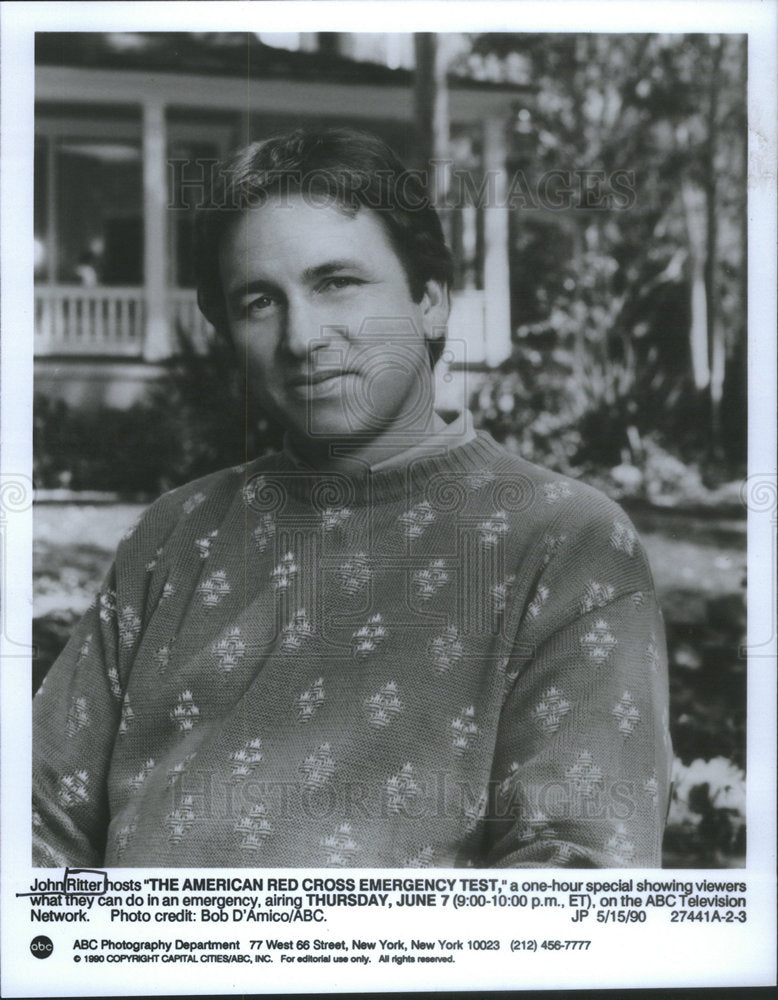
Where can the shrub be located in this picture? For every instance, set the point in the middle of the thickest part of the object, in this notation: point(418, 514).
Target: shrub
point(124, 451)
point(196, 420)
point(554, 406)
point(706, 826)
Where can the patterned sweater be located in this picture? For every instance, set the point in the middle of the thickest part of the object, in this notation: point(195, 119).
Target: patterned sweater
point(455, 662)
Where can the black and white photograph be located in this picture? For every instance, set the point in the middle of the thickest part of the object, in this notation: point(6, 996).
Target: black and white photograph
point(396, 411)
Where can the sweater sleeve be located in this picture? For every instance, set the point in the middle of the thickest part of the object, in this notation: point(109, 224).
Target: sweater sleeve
point(76, 713)
point(582, 760)
point(82, 706)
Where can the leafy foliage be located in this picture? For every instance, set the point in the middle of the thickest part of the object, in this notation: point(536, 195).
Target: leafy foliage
point(103, 449)
point(707, 819)
point(634, 278)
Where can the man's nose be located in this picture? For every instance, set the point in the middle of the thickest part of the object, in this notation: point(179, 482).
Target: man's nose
point(307, 331)
point(302, 327)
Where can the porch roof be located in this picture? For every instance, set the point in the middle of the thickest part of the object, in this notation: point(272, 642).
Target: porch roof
point(227, 54)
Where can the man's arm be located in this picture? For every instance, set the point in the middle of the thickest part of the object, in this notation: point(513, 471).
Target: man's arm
point(81, 708)
point(76, 715)
point(582, 758)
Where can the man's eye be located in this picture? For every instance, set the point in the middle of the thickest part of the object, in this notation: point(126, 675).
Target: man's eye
point(340, 281)
point(260, 304)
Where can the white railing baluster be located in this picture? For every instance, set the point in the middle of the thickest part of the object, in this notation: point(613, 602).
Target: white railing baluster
point(62, 314)
point(101, 306)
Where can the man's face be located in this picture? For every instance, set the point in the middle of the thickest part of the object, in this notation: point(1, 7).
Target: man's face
point(320, 310)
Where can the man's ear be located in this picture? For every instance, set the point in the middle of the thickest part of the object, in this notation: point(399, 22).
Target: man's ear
point(435, 307)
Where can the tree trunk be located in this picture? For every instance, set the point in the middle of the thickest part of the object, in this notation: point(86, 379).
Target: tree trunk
point(715, 326)
point(692, 199)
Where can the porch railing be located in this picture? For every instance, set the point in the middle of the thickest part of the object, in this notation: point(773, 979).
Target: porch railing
point(106, 321)
point(89, 321)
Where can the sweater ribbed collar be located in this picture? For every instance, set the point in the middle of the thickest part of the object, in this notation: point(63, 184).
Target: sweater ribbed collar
point(422, 477)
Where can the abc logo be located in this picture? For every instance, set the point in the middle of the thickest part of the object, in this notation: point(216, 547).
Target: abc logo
point(41, 946)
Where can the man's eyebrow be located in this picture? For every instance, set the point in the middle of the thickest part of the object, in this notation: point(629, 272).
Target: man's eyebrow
point(332, 267)
point(244, 288)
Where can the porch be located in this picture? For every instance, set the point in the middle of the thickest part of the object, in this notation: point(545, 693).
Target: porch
point(121, 159)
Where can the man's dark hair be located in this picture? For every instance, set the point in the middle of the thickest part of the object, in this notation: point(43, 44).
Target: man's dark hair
point(343, 166)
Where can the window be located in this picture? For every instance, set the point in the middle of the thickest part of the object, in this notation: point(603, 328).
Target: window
point(88, 205)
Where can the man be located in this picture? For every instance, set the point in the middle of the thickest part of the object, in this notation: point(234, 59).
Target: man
point(391, 644)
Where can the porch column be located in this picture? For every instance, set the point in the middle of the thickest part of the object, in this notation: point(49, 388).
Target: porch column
point(497, 286)
point(156, 343)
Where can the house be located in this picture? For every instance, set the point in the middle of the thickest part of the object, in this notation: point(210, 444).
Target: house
point(128, 126)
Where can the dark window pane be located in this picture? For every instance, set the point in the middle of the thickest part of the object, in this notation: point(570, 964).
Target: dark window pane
point(99, 194)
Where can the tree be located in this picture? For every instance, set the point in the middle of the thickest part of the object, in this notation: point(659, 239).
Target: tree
point(655, 283)
point(431, 111)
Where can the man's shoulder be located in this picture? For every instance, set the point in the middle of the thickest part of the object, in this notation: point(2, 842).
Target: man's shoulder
point(571, 532)
point(544, 496)
point(209, 495)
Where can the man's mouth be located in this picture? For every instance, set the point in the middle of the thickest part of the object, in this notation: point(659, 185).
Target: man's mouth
point(316, 378)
